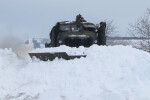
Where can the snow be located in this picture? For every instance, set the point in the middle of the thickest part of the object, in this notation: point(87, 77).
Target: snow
point(107, 73)
point(63, 48)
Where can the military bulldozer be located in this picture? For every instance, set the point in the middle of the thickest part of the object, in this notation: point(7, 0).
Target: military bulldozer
point(73, 34)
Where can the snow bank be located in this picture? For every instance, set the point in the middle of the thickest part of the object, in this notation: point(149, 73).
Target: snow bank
point(107, 73)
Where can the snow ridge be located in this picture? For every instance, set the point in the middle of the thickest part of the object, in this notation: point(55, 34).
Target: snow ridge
point(107, 73)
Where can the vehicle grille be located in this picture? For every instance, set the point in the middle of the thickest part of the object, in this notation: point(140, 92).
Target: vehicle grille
point(76, 42)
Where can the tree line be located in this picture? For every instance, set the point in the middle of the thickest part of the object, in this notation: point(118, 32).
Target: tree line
point(140, 28)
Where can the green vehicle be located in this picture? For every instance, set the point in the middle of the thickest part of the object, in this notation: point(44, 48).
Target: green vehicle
point(72, 34)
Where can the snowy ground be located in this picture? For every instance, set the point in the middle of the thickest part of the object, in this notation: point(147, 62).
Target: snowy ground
point(107, 73)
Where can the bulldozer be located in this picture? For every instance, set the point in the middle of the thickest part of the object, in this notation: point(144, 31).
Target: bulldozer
point(73, 34)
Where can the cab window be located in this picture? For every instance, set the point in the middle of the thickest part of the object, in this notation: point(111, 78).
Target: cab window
point(89, 27)
point(75, 27)
point(65, 28)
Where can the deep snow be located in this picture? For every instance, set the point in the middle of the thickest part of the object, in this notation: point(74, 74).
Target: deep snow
point(107, 73)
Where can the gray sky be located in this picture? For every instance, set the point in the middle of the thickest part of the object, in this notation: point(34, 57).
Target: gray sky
point(35, 18)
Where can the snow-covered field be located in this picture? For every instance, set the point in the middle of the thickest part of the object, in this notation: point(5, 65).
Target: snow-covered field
point(107, 73)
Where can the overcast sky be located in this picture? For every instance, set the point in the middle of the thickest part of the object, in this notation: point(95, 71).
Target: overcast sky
point(35, 18)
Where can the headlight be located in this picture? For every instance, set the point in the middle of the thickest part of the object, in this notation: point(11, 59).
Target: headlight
point(60, 41)
point(95, 41)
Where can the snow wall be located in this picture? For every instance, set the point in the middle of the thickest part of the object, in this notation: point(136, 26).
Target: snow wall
point(107, 73)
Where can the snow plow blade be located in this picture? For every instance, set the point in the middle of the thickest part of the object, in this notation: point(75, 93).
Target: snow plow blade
point(52, 56)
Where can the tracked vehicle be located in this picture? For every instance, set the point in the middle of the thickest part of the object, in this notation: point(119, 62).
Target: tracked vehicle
point(72, 34)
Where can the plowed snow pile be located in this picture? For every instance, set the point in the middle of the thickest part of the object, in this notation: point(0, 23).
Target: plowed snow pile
point(107, 73)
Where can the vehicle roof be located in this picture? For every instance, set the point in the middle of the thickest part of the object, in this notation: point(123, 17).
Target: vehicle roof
point(73, 22)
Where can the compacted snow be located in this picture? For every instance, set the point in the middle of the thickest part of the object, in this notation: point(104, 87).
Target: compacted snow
point(107, 73)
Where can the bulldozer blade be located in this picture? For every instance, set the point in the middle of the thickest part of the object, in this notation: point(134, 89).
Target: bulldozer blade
point(52, 56)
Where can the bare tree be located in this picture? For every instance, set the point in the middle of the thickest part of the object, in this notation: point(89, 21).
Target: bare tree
point(110, 28)
point(141, 28)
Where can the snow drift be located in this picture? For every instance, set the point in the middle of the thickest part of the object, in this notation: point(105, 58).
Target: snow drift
point(107, 73)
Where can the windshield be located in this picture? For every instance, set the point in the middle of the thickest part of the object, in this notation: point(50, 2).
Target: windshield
point(89, 27)
point(65, 28)
point(75, 27)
